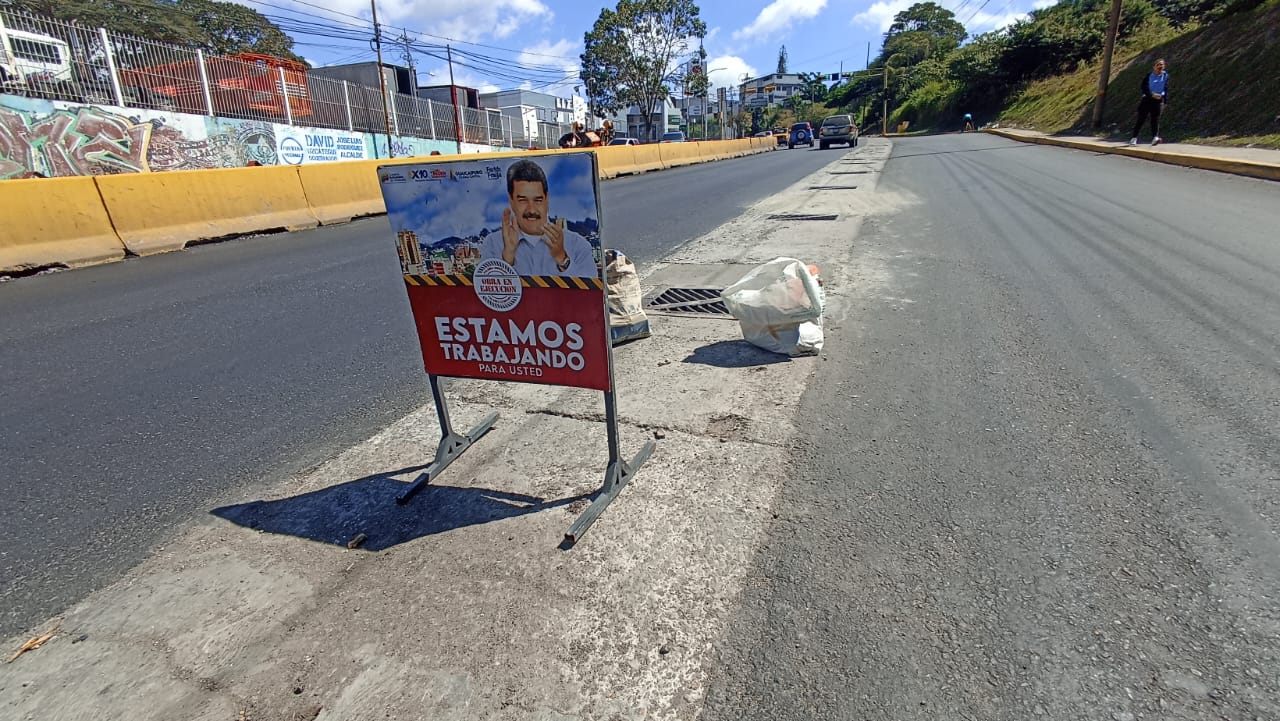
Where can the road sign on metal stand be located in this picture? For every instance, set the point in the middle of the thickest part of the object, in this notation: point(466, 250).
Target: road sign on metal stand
point(502, 264)
point(451, 444)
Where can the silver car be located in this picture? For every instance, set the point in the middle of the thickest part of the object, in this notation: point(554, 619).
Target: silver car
point(837, 129)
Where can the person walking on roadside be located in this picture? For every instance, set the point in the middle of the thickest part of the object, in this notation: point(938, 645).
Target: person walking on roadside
point(1155, 97)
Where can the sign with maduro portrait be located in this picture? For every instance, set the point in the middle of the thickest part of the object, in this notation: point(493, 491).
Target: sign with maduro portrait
point(503, 266)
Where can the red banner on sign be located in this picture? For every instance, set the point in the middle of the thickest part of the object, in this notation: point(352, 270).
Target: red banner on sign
point(553, 335)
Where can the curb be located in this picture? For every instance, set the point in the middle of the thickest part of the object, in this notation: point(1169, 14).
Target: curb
point(1264, 171)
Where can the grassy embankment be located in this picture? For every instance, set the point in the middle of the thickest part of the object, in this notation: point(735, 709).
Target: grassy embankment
point(1224, 85)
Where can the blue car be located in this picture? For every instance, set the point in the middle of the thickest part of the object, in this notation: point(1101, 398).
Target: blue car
point(801, 134)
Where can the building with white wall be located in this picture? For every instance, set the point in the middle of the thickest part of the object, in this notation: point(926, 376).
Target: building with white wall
point(769, 90)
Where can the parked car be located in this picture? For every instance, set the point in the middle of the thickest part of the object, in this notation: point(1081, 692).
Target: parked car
point(801, 134)
point(675, 136)
point(837, 129)
point(781, 135)
point(624, 141)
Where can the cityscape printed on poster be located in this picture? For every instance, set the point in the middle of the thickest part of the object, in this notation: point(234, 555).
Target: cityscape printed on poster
point(446, 216)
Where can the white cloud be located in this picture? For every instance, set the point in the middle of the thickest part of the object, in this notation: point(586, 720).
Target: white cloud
point(1042, 4)
point(561, 55)
point(880, 15)
point(726, 71)
point(778, 16)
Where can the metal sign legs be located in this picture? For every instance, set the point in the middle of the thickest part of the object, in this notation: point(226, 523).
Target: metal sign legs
point(452, 445)
point(616, 475)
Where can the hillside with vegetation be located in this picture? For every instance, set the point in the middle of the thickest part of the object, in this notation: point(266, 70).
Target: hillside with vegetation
point(1042, 71)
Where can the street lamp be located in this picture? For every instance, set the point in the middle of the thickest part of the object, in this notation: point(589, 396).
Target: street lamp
point(706, 93)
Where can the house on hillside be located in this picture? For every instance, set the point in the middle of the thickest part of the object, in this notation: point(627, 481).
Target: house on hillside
point(769, 90)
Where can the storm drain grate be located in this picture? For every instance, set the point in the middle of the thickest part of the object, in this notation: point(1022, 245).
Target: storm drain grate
point(699, 302)
point(848, 172)
point(832, 187)
point(801, 216)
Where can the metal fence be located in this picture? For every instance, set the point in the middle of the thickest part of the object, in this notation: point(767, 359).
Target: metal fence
point(60, 60)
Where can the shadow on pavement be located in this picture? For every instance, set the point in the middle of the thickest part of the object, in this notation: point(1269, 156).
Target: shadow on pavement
point(337, 514)
point(734, 354)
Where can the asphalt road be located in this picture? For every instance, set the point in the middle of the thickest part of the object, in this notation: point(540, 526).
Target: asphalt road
point(1044, 475)
point(137, 394)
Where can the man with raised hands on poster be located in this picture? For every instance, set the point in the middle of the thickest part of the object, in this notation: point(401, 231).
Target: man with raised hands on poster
point(530, 242)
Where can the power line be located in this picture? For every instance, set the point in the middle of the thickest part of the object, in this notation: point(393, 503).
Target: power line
point(446, 39)
point(975, 12)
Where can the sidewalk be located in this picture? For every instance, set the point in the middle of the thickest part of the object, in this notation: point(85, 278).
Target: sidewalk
point(460, 605)
point(1252, 162)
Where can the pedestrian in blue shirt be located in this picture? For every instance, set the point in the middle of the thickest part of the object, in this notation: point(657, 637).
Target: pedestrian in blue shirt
point(1155, 97)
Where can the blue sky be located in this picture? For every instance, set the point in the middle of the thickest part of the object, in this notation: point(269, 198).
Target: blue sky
point(505, 44)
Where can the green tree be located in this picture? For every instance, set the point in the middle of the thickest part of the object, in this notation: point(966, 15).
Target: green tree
point(696, 82)
point(1186, 12)
point(230, 28)
point(151, 19)
point(782, 60)
point(631, 54)
point(929, 24)
point(217, 27)
point(815, 86)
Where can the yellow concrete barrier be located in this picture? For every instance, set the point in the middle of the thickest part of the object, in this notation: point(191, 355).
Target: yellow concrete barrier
point(740, 147)
point(675, 155)
point(338, 192)
point(646, 158)
point(718, 149)
point(48, 222)
point(159, 212)
point(614, 160)
point(82, 221)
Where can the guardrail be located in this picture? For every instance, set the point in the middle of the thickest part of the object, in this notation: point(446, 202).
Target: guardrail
point(74, 222)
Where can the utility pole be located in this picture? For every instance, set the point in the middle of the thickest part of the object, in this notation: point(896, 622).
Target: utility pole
point(453, 95)
point(408, 59)
point(706, 85)
point(1104, 77)
point(382, 76)
point(884, 116)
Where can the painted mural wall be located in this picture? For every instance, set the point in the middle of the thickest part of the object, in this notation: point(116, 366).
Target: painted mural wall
point(58, 139)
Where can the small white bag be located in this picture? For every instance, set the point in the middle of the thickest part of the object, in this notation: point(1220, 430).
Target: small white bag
point(779, 307)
